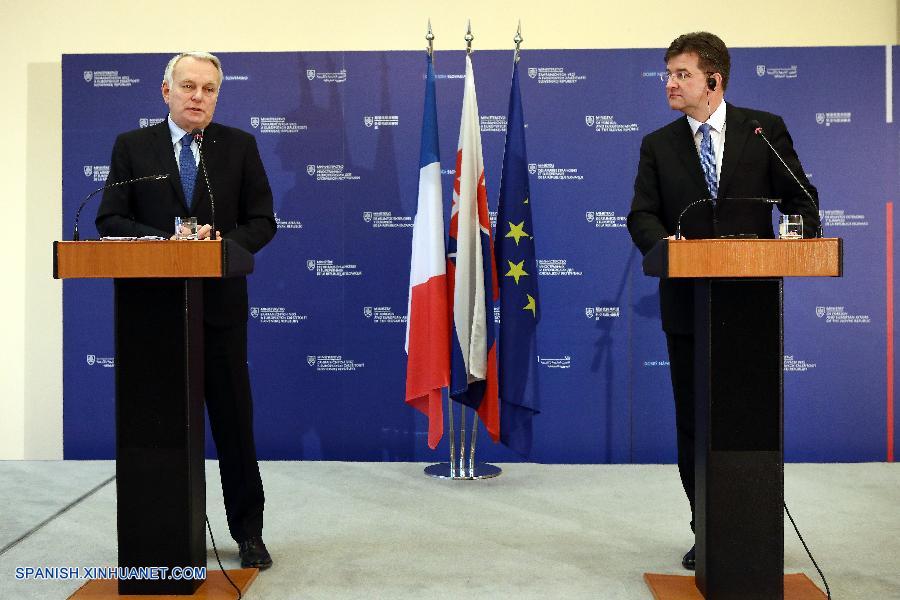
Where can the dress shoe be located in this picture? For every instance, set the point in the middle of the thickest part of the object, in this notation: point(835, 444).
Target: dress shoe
point(688, 562)
point(254, 554)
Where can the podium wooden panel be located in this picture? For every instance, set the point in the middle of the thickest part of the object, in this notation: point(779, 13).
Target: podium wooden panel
point(738, 395)
point(149, 259)
point(160, 478)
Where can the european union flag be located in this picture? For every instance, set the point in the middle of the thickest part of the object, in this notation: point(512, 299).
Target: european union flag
point(519, 299)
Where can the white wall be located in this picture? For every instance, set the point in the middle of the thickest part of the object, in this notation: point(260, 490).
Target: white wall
point(35, 33)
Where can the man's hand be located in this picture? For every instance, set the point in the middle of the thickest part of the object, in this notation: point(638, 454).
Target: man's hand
point(204, 233)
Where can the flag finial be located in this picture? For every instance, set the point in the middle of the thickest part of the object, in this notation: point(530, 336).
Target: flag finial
point(469, 37)
point(429, 37)
point(518, 40)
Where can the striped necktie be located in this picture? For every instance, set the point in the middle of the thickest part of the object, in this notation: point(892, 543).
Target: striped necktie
point(708, 161)
point(187, 168)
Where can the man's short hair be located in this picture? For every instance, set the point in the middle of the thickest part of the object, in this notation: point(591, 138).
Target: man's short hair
point(713, 52)
point(170, 68)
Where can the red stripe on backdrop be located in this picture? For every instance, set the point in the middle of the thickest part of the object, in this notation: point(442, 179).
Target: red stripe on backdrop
point(889, 263)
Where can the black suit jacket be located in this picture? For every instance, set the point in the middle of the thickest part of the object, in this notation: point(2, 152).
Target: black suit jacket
point(670, 177)
point(243, 198)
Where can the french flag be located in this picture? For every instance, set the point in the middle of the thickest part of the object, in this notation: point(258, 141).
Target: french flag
point(472, 276)
point(428, 322)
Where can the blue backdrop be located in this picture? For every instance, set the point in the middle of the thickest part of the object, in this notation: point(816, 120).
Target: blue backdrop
point(339, 135)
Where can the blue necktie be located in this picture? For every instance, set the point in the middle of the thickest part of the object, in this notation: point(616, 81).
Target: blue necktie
point(708, 161)
point(187, 168)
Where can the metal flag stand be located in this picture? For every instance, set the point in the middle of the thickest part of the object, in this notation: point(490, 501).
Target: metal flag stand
point(458, 466)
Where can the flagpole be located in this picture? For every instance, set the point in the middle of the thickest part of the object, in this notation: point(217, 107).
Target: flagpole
point(459, 468)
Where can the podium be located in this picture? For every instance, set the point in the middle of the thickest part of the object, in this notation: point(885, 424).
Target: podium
point(739, 388)
point(160, 479)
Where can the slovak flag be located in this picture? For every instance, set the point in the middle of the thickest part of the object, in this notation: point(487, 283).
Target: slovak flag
point(428, 322)
point(472, 276)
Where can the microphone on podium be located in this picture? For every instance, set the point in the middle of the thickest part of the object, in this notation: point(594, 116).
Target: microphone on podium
point(158, 177)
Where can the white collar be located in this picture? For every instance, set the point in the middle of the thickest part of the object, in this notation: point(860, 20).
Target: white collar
point(716, 120)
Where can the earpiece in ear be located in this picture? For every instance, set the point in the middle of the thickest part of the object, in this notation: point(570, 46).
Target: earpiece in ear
point(711, 84)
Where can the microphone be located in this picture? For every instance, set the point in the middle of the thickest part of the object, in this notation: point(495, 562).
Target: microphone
point(106, 187)
point(687, 208)
point(758, 131)
point(198, 136)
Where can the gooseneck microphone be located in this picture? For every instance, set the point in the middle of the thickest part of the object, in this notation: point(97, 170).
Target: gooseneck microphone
point(687, 208)
point(758, 131)
point(198, 136)
point(108, 186)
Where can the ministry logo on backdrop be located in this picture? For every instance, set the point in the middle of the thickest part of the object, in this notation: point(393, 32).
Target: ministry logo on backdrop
point(777, 72)
point(556, 267)
point(833, 118)
point(149, 121)
point(333, 363)
point(838, 315)
point(287, 223)
point(96, 172)
point(330, 173)
point(564, 362)
point(107, 362)
point(796, 365)
point(328, 268)
point(331, 77)
point(595, 313)
point(383, 315)
point(551, 172)
point(276, 315)
point(609, 124)
point(109, 79)
point(839, 218)
point(385, 219)
point(493, 123)
point(606, 219)
point(379, 121)
point(276, 125)
point(555, 76)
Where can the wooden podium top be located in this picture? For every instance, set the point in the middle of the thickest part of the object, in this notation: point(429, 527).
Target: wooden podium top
point(822, 257)
point(150, 259)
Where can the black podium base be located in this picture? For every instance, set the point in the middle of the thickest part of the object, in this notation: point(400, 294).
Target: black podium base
point(739, 521)
point(160, 430)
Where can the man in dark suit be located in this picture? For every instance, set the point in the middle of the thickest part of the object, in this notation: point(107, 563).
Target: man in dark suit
point(711, 152)
point(243, 213)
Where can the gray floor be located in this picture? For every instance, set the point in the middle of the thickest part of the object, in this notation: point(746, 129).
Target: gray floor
point(367, 530)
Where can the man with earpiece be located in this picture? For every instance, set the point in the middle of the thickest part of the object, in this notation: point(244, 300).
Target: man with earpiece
point(711, 152)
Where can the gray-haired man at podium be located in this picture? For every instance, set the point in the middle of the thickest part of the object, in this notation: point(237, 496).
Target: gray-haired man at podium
point(711, 152)
point(243, 212)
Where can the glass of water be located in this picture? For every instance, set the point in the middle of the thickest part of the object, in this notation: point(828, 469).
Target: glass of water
point(790, 227)
point(185, 228)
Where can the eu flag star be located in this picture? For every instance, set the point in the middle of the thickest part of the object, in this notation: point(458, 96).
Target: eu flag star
point(517, 232)
point(532, 305)
point(516, 270)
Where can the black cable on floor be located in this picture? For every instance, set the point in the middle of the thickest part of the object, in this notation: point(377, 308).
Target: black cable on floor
point(805, 547)
point(224, 572)
point(58, 513)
